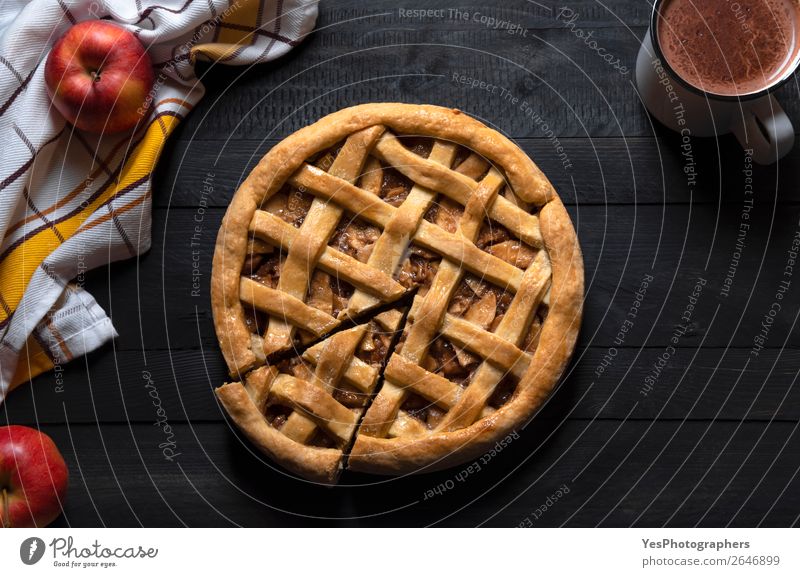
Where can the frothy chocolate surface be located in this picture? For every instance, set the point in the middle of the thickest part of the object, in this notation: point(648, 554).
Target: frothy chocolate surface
point(730, 47)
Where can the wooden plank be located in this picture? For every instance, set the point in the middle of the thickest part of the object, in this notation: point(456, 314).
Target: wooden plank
point(674, 245)
point(611, 171)
point(616, 474)
point(692, 384)
point(539, 15)
point(558, 81)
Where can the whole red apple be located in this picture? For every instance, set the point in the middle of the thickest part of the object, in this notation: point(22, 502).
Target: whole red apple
point(33, 478)
point(100, 77)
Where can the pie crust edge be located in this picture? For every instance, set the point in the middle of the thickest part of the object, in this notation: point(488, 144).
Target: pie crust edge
point(315, 464)
point(438, 450)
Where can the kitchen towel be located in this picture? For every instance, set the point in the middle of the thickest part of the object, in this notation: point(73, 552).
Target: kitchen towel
point(72, 201)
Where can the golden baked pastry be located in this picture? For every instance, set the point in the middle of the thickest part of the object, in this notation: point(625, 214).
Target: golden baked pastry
point(419, 206)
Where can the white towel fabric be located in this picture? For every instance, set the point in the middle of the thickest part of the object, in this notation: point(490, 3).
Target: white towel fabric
point(70, 201)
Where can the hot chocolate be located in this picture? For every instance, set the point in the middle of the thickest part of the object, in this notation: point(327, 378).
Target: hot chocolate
point(727, 47)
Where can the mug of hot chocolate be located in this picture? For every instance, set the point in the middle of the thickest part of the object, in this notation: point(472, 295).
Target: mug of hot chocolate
point(709, 67)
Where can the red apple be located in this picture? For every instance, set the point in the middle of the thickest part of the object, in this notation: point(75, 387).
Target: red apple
point(33, 478)
point(100, 77)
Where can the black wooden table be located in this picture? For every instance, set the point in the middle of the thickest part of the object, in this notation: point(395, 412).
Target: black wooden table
point(685, 415)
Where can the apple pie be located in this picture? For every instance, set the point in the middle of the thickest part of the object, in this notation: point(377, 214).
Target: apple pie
point(395, 288)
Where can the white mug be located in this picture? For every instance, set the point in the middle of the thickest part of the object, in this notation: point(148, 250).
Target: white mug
point(757, 120)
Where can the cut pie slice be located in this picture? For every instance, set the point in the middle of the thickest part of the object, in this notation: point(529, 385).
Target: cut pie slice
point(304, 410)
point(365, 207)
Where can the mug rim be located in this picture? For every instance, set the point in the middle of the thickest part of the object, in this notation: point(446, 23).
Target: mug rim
point(700, 92)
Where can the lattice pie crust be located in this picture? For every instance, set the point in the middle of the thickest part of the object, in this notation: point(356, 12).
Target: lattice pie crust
point(419, 206)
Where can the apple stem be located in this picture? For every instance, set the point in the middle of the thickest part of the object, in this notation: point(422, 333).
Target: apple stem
point(96, 75)
point(6, 520)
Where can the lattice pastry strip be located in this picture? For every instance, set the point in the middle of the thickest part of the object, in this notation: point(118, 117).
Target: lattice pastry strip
point(392, 245)
point(374, 279)
point(458, 187)
point(428, 235)
point(274, 230)
point(511, 329)
point(429, 315)
point(499, 352)
point(315, 396)
point(316, 230)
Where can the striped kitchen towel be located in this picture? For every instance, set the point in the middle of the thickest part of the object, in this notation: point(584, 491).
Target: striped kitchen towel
point(71, 201)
